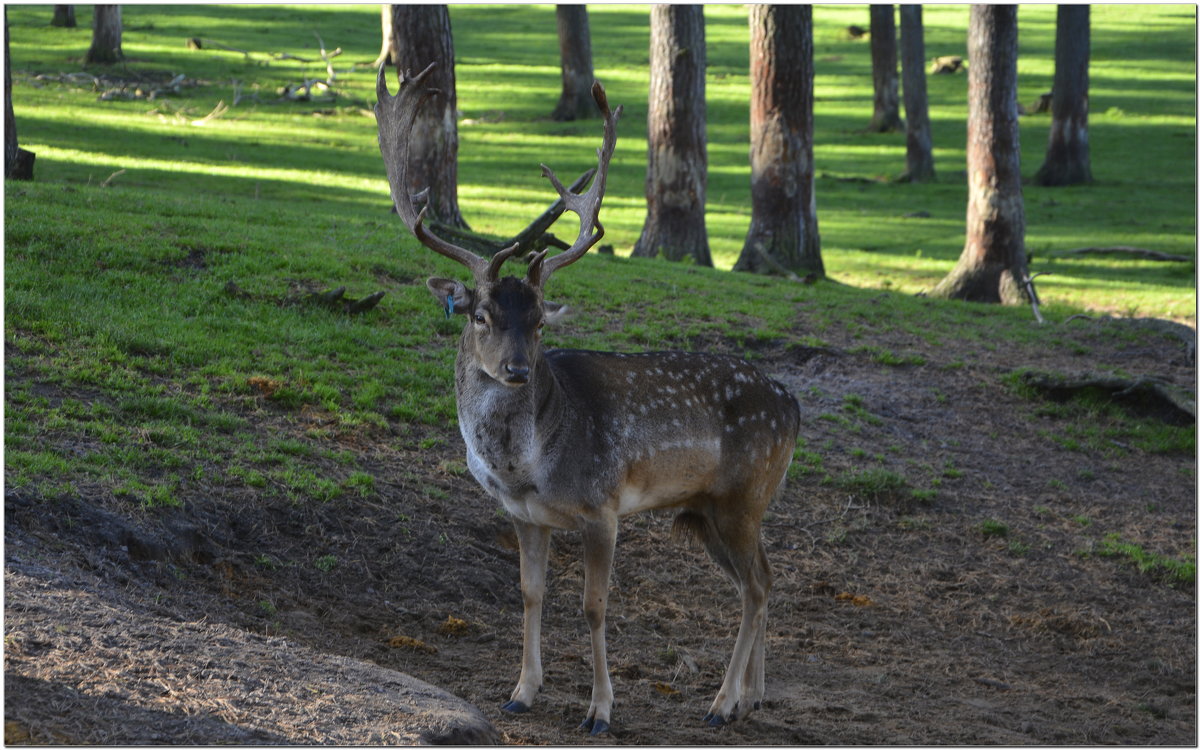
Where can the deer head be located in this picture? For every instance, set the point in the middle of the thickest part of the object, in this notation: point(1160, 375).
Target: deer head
point(504, 316)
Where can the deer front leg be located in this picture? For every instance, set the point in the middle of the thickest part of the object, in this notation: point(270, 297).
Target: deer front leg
point(534, 542)
point(599, 540)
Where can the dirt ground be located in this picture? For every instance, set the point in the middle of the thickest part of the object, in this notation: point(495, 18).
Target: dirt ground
point(894, 619)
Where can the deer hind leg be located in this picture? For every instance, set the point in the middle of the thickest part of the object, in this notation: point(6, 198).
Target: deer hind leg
point(756, 678)
point(734, 545)
point(535, 550)
point(599, 540)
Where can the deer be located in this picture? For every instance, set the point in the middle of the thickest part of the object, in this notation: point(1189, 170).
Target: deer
point(571, 439)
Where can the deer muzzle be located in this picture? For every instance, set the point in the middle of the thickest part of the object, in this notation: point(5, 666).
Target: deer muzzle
point(516, 374)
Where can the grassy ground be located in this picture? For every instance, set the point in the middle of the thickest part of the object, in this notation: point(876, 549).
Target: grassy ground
point(1142, 132)
point(117, 283)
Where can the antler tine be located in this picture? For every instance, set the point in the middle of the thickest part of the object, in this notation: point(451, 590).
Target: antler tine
point(586, 204)
point(395, 116)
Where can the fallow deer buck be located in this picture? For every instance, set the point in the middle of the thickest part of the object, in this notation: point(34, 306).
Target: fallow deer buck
point(568, 439)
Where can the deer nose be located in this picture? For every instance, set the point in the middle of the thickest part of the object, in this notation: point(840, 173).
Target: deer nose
point(517, 374)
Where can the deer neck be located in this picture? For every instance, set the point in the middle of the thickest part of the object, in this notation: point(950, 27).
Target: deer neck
point(506, 428)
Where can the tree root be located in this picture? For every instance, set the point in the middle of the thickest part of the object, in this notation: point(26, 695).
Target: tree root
point(1155, 396)
point(1184, 333)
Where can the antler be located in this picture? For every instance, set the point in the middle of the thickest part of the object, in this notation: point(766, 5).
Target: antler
point(585, 205)
point(395, 116)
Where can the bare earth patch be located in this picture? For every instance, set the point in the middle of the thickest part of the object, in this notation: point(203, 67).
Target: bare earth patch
point(978, 609)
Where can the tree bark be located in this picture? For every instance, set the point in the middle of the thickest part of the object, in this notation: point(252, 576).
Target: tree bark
point(18, 163)
point(677, 172)
point(883, 70)
point(1068, 157)
point(783, 223)
point(387, 50)
point(106, 36)
point(993, 265)
point(575, 46)
point(64, 16)
point(421, 36)
point(919, 140)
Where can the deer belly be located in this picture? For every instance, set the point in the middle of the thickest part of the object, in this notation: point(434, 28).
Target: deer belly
point(668, 474)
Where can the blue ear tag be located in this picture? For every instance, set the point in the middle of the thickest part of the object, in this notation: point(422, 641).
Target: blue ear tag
point(449, 306)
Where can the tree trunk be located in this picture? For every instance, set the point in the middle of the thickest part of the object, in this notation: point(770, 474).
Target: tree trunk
point(64, 16)
point(783, 222)
point(387, 50)
point(575, 45)
point(18, 163)
point(919, 140)
point(422, 36)
point(992, 267)
point(677, 171)
point(1068, 158)
point(883, 70)
point(106, 36)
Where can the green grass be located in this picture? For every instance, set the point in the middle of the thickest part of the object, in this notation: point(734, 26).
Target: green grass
point(1092, 422)
point(1169, 569)
point(131, 367)
point(1142, 133)
point(991, 527)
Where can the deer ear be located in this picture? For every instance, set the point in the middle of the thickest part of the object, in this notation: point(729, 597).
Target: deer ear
point(453, 296)
point(555, 313)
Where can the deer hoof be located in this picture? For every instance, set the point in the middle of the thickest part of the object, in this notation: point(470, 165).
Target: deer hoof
point(594, 726)
point(716, 720)
point(515, 707)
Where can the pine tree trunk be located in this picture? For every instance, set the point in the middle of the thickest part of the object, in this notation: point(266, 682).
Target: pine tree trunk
point(992, 267)
point(783, 224)
point(64, 16)
point(18, 163)
point(387, 49)
point(919, 140)
point(1068, 157)
point(575, 45)
point(422, 36)
point(883, 70)
point(106, 36)
point(677, 171)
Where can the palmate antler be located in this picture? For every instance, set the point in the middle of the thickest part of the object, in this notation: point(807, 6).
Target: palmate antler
point(395, 116)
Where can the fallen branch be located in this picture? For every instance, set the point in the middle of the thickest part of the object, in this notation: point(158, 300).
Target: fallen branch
point(1137, 252)
point(303, 91)
point(1033, 298)
point(333, 299)
point(111, 177)
point(198, 43)
point(330, 75)
point(218, 110)
point(778, 268)
point(337, 300)
point(1157, 393)
point(238, 96)
point(290, 56)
